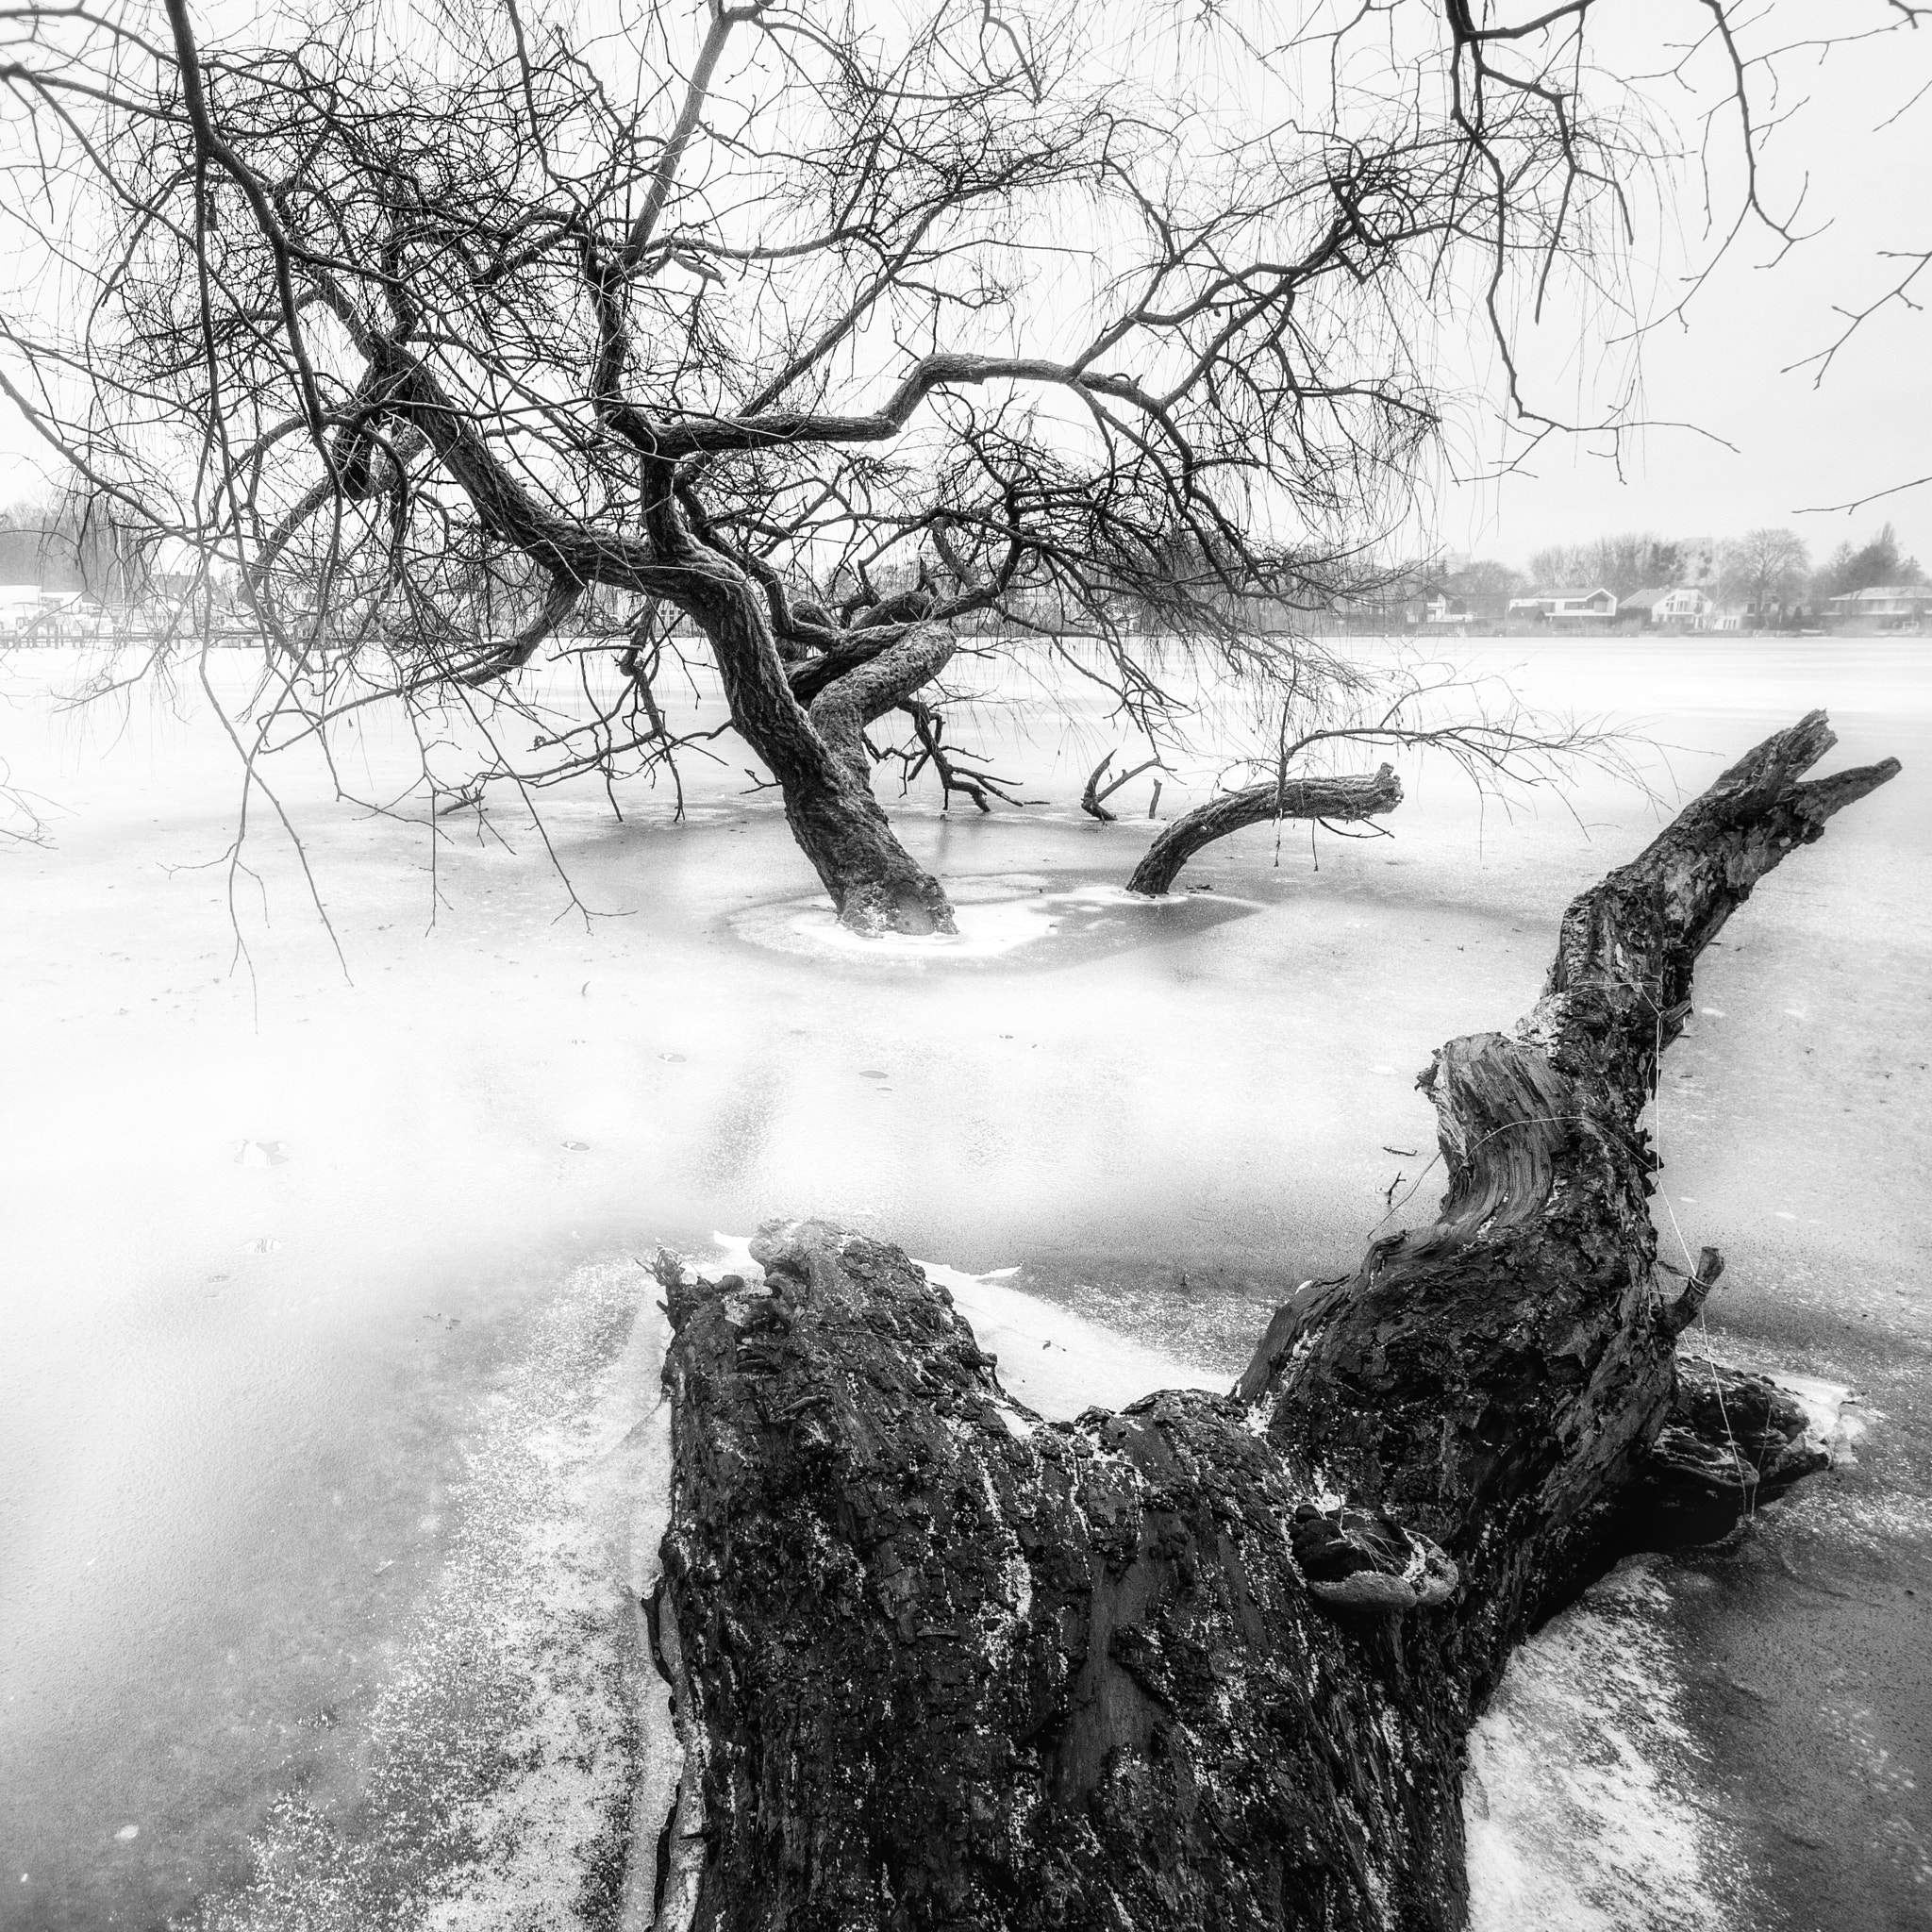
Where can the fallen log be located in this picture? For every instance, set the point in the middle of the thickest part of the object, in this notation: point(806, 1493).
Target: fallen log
point(1210, 1661)
point(1359, 798)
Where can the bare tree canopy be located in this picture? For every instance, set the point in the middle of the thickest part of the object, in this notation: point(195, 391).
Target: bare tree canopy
point(819, 349)
point(1766, 568)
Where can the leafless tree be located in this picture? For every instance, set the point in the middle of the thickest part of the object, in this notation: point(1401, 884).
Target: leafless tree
point(1766, 568)
point(1624, 563)
point(815, 351)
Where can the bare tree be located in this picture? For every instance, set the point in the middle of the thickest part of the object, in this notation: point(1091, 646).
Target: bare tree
point(1766, 568)
point(1625, 564)
point(816, 352)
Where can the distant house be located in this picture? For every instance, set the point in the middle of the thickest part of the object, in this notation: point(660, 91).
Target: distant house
point(1440, 607)
point(18, 601)
point(1885, 607)
point(28, 614)
point(1684, 608)
point(1566, 607)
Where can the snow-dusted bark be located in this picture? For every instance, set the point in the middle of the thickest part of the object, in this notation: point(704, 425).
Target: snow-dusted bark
point(1356, 797)
point(1210, 1661)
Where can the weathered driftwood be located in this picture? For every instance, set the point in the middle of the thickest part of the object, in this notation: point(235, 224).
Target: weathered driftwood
point(1210, 1661)
point(1363, 797)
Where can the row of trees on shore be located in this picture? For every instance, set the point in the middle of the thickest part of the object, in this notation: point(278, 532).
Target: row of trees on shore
point(65, 544)
point(1768, 572)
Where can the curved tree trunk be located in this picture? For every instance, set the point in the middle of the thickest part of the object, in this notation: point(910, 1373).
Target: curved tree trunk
point(818, 759)
point(817, 755)
point(1259, 804)
point(1210, 1661)
point(864, 694)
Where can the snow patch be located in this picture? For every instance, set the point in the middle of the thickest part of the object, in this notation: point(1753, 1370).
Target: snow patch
point(732, 1253)
point(520, 1712)
point(1835, 1417)
point(1019, 1577)
point(1052, 1360)
point(997, 919)
point(1017, 1420)
point(1579, 1803)
point(1058, 1362)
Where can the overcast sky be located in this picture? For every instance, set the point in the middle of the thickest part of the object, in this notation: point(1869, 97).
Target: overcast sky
point(1793, 443)
point(1797, 442)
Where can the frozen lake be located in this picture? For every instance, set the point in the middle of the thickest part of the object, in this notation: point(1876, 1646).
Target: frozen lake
point(327, 1337)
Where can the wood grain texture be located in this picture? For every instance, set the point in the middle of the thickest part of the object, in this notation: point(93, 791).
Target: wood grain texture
point(1209, 1663)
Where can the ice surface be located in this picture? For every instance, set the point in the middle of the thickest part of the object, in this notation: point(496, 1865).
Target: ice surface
point(517, 1714)
point(240, 1398)
point(1580, 1806)
point(999, 918)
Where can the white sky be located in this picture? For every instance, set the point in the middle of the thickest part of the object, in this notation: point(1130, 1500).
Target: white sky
point(1795, 444)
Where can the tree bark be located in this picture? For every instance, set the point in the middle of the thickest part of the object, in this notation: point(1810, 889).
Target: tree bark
point(817, 755)
point(864, 694)
point(1259, 805)
point(1210, 1661)
point(825, 773)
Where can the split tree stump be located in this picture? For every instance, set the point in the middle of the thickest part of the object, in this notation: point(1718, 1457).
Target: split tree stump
point(1211, 1663)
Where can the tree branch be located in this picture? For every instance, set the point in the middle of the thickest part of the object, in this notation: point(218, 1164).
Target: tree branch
point(1259, 805)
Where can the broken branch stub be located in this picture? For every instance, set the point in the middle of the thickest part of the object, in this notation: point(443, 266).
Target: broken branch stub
point(1093, 798)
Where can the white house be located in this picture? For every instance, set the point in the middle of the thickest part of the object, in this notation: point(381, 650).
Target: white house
point(1685, 608)
point(1567, 606)
point(1885, 607)
point(19, 605)
point(31, 615)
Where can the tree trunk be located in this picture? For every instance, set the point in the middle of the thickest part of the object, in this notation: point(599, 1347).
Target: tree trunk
point(1259, 805)
point(817, 755)
point(1209, 1663)
point(864, 694)
point(842, 827)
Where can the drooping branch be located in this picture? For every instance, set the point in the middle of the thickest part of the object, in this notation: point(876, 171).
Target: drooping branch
point(692, 435)
point(846, 706)
point(954, 768)
point(559, 600)
point(1359, 798)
